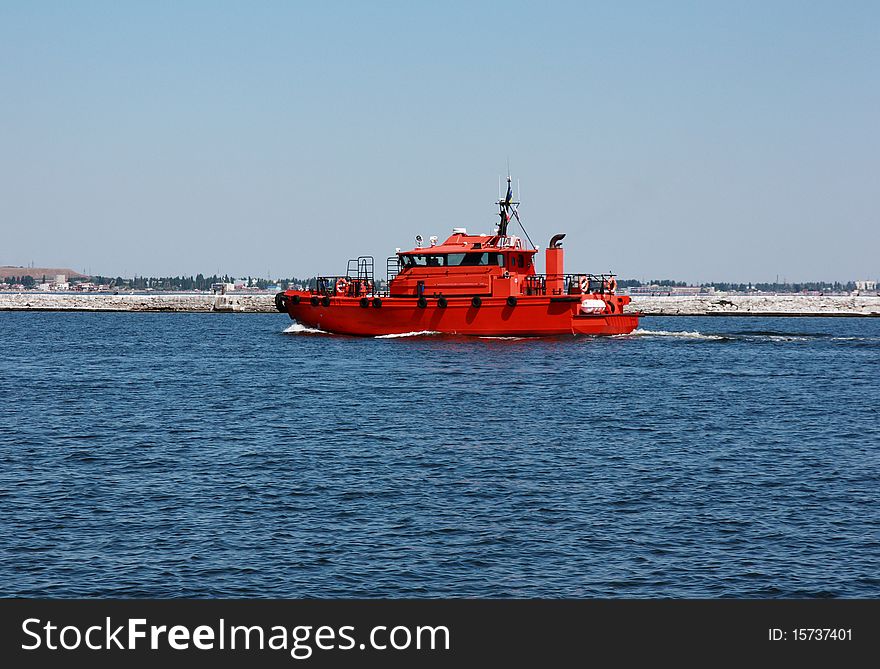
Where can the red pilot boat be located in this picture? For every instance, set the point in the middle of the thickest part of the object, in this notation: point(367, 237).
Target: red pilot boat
point(469, 285)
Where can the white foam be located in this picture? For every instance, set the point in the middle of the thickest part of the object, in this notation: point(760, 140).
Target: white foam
point(639, 332)
point(503, 338)
point(420, 333)
point(298, 328)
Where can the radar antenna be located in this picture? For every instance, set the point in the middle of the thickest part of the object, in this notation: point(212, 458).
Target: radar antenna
point(507, 208)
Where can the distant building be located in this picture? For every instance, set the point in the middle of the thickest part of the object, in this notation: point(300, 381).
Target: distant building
point(866, 285)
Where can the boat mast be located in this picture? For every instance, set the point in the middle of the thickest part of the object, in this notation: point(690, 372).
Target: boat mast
point(505, 207)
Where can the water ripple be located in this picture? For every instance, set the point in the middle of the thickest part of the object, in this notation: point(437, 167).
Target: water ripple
point(170, 455)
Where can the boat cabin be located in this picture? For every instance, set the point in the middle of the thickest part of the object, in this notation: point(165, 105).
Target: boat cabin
point(462, 265)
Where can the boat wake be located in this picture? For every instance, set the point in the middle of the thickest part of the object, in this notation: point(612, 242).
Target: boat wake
point(756, 336)
point(810, 337)
point(420, 333)
point(774, 335)
point(684, 334)
point(297, 328)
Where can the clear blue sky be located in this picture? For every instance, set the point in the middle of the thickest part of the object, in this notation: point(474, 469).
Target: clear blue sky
point(700, 140)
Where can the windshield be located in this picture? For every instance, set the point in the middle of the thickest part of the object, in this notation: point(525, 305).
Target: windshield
point(452, 260)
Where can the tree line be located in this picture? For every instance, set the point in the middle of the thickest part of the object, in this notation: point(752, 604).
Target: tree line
point(197, 282)
point(186, 283)
point(726, 286)
point(27, 280)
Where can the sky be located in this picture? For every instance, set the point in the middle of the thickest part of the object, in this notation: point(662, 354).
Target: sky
point(701, 141)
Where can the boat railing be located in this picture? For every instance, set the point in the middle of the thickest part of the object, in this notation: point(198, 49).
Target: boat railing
point(360, 269)
point(571, 284)
point(351, 286)
point(392, 267)
point(358, 280)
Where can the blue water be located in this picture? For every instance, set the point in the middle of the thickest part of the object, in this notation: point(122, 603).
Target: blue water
point(173, 455)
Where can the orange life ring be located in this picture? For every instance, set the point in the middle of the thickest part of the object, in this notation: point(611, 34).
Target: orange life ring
point(612, 284)
point(341, 286)
point(585, 284)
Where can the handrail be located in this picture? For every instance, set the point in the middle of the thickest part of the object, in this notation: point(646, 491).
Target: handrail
point(532, 284)
point(392, 268)
point(536, 284)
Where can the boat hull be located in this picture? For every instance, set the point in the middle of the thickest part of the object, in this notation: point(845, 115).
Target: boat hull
point(532, 316)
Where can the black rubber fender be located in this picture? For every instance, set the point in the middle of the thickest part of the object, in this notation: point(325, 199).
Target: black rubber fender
point(280, 302)
point(325, 301)
point(476, 302)
point(295, 299)
point(442, 302)
point(422, 302)
point(511, 301)
point(377, 302)
point(314, 300)
point(365, 302)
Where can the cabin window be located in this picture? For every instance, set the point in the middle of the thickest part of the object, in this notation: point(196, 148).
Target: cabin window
point(436, 260)
point(452, 260)
point(474, 259)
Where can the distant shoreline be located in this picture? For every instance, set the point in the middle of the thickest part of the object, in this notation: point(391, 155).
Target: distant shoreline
point(796, 306)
